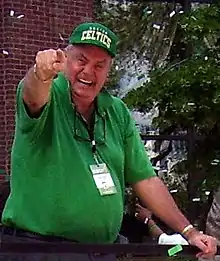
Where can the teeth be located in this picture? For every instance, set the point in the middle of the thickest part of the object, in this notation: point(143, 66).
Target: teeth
point(85, 81)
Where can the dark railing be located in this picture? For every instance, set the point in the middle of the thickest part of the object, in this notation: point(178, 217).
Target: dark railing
point(190, 139)
point(136, 250)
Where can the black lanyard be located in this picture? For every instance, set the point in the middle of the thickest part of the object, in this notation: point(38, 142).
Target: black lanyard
point(91, 131)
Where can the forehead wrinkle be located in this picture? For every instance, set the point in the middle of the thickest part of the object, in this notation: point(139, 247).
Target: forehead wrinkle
point(103, 61)
point(77, 50)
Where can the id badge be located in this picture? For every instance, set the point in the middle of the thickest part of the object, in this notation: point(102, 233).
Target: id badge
point(103, 179)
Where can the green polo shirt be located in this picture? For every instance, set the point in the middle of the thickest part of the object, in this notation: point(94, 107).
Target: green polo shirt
point(52, 187)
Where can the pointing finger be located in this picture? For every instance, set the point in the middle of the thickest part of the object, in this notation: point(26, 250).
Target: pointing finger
point(138, 206)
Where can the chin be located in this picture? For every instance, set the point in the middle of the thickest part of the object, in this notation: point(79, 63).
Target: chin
point(82, 95)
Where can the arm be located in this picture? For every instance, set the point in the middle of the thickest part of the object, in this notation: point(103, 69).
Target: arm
point(38, 79)
point(154, 194)
point(145, 216)
point(35, 92)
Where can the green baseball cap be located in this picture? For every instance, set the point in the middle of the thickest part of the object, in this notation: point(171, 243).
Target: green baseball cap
point(95, 34)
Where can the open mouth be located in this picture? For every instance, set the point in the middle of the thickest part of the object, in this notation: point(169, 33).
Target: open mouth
point(85, 82)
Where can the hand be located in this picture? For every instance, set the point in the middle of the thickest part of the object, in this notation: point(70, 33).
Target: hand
point(142, 213)
point(206, 243)
point(49, 63)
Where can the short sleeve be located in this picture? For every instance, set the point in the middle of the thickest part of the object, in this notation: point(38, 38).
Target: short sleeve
point(24, 122)
point(137, 164)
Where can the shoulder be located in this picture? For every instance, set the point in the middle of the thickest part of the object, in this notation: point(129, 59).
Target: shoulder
point(119, 104)
point(123, 112)
point(116, 105)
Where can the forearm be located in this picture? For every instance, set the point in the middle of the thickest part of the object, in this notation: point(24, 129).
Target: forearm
point(36, 92)
point(155, 196)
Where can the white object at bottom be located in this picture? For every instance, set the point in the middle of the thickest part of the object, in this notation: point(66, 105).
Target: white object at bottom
point(175, 239)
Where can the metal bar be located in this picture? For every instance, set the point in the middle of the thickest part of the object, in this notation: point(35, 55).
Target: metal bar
point(118, 249)
point(169, 137)
point(164, 137)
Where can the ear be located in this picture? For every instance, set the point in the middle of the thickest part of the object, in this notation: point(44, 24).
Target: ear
point(107, 77)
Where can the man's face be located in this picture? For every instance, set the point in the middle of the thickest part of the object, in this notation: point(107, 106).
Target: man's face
point(87, 69)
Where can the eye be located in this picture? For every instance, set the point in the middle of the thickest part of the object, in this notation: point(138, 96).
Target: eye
point(81, 61)
point(99, 66)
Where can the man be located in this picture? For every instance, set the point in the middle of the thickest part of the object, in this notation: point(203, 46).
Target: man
point(74, 148)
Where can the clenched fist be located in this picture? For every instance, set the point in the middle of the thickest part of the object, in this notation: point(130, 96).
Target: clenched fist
point(49, 63)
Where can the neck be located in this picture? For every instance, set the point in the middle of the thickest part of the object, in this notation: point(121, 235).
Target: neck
point(84, 108)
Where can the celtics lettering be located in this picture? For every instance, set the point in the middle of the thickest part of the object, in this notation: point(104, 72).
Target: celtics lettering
point(97, 36)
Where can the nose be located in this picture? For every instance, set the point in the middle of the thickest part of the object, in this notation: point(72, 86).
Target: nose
point(88, 69)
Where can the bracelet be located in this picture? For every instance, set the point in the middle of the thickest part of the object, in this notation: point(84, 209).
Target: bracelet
point(37, 77)
point(152, 227)
point(186, 229)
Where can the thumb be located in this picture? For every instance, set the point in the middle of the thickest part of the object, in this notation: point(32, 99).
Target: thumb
point(61, 57)
point(59, 65)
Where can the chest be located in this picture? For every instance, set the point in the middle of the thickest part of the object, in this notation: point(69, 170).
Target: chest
point(73, 136)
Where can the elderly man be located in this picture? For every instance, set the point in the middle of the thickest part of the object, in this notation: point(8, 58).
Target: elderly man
point(75, 147)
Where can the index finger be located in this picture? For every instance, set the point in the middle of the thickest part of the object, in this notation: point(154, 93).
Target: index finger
point(202, 246)
point(138, 206)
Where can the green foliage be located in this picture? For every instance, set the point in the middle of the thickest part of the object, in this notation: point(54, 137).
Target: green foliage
point(202, 25)
point(187, 94)
point(134, 27)
point(134, 23)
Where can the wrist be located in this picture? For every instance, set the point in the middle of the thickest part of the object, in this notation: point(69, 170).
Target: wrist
point(189, 231)
point(152, 226)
